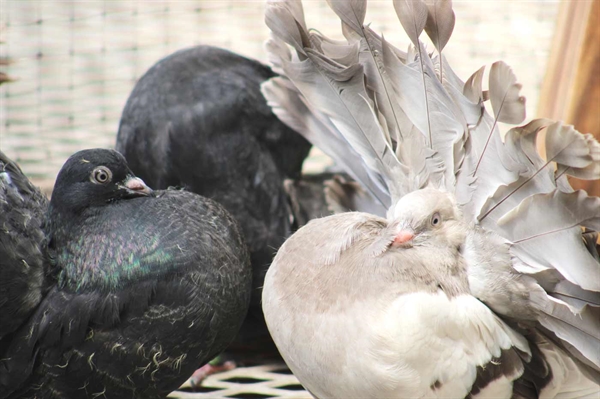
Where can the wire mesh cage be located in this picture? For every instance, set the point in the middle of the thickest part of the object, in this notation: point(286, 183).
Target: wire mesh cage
point(256, 382)
point(75, 62)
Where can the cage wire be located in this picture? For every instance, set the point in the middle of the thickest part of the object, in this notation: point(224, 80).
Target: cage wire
point(75, 62)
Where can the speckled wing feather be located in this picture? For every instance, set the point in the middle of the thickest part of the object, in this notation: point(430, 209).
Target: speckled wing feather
point(23, 260)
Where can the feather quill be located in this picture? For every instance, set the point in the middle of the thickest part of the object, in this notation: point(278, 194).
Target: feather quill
point(413, 16)
point(508, 105)
point(440, 22)
point(352, 13)
point(293, 111)
point(439, 25)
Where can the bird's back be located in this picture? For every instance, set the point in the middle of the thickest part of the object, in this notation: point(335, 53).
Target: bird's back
point(204, 104)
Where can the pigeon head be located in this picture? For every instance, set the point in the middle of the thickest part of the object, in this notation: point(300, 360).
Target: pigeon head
point(94, 178)
point(427, 216)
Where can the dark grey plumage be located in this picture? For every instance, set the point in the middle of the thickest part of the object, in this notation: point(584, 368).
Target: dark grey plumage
point(197, 119)
point(318, 195)
point(22, 255)
point(144, 287)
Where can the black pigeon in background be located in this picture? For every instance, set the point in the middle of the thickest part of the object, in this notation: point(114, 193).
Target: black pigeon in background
point(125, 292)
point(197, 119)
point(327, 193)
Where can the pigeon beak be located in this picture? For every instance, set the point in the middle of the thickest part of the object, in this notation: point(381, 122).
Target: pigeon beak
point(135, 185)
point(403, 238)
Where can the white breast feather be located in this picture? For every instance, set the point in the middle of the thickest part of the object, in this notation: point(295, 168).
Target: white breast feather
point(400, 349)
point(442, 340)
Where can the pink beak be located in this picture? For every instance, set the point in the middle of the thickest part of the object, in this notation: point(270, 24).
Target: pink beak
point(136, 184)
point(403, 237)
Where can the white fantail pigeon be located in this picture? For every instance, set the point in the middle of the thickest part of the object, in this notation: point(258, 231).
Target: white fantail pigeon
point(472, 276)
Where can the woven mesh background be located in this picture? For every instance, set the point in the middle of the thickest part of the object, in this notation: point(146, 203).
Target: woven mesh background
point(77, 61)
point(256, 382)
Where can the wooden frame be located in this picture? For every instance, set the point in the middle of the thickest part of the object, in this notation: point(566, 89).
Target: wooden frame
point(571, 88)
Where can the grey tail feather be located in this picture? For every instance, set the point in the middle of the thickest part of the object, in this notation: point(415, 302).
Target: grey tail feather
point(583, 363)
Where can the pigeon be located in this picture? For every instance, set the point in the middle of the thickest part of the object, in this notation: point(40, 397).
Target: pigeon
point(197, 119)
point(124, 291)
point(475, 278)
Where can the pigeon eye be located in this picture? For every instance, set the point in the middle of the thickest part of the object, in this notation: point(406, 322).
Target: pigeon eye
point(101, 175)
point(436, 219)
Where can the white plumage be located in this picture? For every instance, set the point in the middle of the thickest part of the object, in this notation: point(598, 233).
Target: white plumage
point(480, 281)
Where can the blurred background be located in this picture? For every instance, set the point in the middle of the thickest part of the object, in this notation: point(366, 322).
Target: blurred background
point(74, 63)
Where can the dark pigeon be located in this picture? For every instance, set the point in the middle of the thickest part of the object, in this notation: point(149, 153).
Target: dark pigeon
point(138, 288)
point(197, 119)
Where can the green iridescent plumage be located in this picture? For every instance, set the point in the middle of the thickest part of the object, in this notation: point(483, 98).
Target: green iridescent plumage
point(143, 288)
point(112, 253)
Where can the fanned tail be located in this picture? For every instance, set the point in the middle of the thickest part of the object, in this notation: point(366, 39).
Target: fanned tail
point(400, 121)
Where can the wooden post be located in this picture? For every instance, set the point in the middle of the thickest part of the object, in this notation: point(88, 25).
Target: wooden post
point(571, 88)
